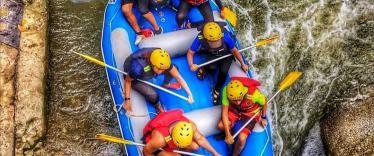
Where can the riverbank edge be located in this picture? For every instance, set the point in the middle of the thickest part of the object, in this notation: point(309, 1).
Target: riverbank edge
point(23, 84)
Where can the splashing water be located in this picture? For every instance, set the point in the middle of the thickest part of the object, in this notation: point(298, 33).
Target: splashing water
point(314, 145)
point(313, 35)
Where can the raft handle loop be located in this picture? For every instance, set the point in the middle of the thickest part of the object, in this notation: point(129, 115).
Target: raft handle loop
point(132, 135)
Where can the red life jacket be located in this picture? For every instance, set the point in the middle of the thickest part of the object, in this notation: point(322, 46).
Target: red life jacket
point(196, 2)
point(247, 108)
point(161, 123)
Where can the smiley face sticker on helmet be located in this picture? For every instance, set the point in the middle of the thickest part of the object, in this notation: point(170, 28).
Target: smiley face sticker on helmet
point(182, 134)
point(235, 90)
point(212, 31)
point(160, 59)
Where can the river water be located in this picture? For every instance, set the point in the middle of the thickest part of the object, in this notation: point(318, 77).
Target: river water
point(79, 103)
point(330, 41)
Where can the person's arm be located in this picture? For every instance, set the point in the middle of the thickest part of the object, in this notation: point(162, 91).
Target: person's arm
point(221, 8)
point(201, 140)
point(219, 4)
point(193, 66)
point(154, 144)
point(263, 114)
point(260, 99)
point(225, 112)
point(225, 120)
point(127, 89)
point(231, 44)
point(126, 93)
point(190, 53)
point(175, 73)
point(225, 117)
point(237, 55)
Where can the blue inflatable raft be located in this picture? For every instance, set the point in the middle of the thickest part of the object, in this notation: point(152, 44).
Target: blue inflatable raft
point(118, 42)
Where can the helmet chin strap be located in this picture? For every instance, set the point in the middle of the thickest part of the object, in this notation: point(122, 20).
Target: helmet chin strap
point(215, 44)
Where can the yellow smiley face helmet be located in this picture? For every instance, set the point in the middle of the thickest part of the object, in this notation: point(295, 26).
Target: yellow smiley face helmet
point(236, 90)
point(182, 134)
point(212, 31)
point(160, 59)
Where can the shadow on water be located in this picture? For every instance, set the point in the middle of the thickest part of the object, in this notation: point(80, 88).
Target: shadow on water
point(79, 102)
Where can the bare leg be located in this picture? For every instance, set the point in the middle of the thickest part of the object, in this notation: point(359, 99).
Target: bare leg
point(149, 16)
point(183, 10)
point(221, 127)
point(240, 144)
point(193, 147)
point(206, 11)
point(127, 10)
point(165, 153)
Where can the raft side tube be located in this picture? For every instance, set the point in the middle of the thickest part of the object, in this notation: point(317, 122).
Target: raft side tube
point(176, 43)
point(206, 119)
point(121, 48)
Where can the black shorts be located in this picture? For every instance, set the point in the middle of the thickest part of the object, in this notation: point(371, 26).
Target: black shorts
point(157, 152)
point(127, 2)
point(143, 5)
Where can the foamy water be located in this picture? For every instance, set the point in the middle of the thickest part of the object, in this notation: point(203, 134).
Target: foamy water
point(304, 45)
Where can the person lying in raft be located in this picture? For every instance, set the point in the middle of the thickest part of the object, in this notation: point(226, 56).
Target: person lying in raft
point(241, 100)
point(172, 131)
point(214, 43)
point(203, 6)
point(146, 64)
point(143, 6)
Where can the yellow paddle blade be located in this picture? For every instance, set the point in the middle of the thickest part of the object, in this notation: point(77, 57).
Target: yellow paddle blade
point(266, 41)
point(289, 80)
point(112, 139)
point(89, 58)
point(230, 16)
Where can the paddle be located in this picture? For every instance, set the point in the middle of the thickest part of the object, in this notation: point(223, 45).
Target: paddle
point(287, 81)
point(96, 61)
point(230, 16)
point(258, 44)
point(128, 142)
